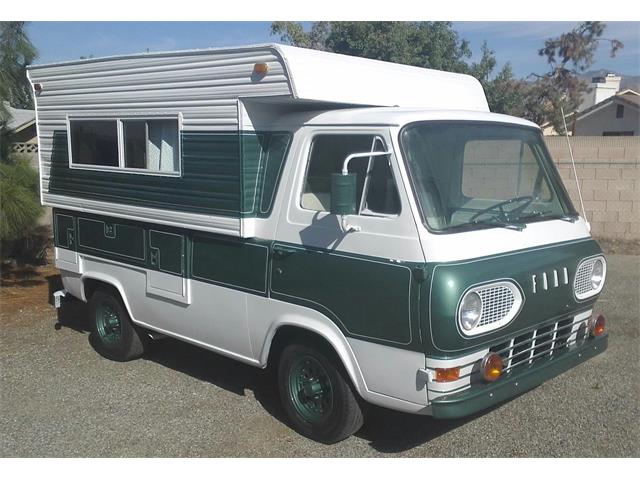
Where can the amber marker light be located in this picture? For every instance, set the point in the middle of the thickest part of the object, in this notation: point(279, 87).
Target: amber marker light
point(447, 374)
point(491, 367)
point(261, 68)
point(598, 327)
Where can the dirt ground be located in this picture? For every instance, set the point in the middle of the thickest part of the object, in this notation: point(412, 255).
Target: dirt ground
point(26, 287)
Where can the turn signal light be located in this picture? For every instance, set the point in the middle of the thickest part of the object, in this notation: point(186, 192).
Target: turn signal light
point(261, 68)
point(447, 374)
point(491, 367)
point(598, 327)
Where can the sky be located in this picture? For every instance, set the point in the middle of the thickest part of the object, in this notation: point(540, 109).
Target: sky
point(515, 42)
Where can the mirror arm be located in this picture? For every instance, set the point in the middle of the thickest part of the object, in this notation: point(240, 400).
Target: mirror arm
point(345, 165)
point(346, 228)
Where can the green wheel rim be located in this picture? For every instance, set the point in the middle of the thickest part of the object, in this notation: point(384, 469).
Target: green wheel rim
point(310, 389)
point(108, 324)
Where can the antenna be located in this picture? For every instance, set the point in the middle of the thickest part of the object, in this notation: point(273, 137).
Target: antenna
point(575, 173)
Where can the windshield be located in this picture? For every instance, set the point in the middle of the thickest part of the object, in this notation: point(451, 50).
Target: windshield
point(481, 175)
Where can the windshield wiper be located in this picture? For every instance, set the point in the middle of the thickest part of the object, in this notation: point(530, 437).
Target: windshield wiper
point(497, 222)
point(536, 214)
point(572, 218)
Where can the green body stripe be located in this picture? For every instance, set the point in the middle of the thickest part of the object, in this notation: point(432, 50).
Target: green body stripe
point(405, 305)
point(366, 297)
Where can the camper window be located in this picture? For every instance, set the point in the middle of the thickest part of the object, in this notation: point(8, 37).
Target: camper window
point(134, 145)
point(94, 142)
point(376, 192)
point(151, 144)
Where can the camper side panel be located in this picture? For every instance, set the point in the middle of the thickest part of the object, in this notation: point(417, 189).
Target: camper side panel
point(194, 93)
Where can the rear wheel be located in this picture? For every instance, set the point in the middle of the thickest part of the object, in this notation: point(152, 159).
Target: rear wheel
point(316, 395)
point(113, 334)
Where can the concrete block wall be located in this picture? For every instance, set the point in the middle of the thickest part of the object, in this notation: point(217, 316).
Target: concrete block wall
point(608, 170)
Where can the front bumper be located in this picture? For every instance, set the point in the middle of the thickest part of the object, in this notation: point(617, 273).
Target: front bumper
point(480, 397)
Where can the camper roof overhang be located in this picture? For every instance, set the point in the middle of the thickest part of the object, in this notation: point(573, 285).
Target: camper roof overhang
point(316, 76)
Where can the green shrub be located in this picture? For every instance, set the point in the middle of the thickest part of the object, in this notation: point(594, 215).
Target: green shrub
point(19, 203)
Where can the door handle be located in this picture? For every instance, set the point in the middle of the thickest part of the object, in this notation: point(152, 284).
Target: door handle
point(280, 251)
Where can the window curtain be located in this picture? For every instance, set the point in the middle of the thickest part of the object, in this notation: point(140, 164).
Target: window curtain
point(162, 148)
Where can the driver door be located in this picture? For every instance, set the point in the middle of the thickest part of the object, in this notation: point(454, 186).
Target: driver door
point(362, 280)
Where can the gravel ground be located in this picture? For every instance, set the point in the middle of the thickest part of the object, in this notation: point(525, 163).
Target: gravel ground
point(59, 398)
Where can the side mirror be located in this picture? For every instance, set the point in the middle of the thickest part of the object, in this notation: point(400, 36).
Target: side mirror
point(343, 194)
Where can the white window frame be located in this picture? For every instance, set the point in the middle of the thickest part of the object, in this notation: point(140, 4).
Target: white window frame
point(365, 190)
point(119, 119)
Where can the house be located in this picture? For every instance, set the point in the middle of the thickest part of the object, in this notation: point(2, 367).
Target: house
point(548, 129)
point(22, 134)
point(617, 115)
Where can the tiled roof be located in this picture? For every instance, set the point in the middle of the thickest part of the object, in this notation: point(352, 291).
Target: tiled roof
point(20, 118)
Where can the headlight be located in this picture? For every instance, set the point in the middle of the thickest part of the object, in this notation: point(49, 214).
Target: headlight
point(487, 307)
point(470, 311)
point(597, 275)
point(590, 276)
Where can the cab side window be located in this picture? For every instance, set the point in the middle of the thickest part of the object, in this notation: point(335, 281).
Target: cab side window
point(376, 192)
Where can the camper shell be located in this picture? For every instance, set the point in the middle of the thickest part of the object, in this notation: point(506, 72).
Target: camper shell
point(252, 200)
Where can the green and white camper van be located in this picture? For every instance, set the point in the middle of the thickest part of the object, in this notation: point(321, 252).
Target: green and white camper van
point(369, 230)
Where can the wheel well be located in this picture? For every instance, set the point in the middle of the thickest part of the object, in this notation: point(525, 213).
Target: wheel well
point(288, 334)
point(90, 286)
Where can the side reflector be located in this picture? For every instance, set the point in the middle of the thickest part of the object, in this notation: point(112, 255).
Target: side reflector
point(447, 374)
point(598, 327)
point(261, 68)
point(491, 367)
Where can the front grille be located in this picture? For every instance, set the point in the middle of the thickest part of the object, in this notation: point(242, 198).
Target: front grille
point(583, 284)
point(497, 302)
point(546, 341)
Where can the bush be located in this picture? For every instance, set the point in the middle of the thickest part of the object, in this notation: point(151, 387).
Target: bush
point(20, 206)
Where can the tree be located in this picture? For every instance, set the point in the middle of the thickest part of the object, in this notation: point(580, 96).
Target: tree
point(19, 204)
point(567, 55)
point(293, 34)
point(16, 52)
point(503, 91)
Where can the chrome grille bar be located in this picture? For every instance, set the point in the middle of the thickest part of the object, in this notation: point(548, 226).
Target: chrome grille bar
point(533, 347)
point(546, 340)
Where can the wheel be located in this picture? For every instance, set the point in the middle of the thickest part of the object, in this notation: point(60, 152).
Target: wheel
point(316, 395)
point(113, 334)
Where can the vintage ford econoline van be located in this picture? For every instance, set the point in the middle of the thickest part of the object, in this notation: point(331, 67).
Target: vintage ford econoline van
point(369, 229)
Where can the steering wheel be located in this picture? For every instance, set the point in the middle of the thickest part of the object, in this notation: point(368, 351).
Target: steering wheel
point(526, 200)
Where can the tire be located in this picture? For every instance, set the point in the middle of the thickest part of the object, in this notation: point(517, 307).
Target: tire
point(113, 334)
point(316, 395)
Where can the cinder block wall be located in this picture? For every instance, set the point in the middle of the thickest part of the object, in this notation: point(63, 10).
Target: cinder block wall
point(608, 169)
